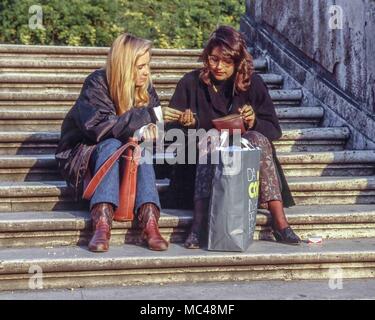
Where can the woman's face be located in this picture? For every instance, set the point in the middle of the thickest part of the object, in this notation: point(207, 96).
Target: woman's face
point(142, 67)
point(222, 68)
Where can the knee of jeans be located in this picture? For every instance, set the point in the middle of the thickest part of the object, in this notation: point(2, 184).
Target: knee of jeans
point(257, 139)
point(109, 145)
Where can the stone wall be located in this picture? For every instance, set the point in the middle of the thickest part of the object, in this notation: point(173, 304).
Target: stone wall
point(345, 57)
point(347, 54)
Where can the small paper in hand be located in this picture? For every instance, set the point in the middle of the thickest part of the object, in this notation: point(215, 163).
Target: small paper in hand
point(159, 114)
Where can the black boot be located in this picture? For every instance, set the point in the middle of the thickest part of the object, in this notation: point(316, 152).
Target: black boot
point(198, 233)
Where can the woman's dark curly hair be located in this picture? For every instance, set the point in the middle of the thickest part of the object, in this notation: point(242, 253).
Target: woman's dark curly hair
point(233, 45)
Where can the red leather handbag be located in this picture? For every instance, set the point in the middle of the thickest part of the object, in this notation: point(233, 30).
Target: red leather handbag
point(131, 153)
point(229, 122)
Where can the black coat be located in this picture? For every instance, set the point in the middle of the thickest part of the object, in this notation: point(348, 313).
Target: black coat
point(193, 93)
point(91, 120)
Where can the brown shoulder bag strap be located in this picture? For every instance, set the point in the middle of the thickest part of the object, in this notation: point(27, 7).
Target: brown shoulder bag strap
point(108, 164)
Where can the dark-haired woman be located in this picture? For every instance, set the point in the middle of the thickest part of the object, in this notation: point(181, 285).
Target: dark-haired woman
point(226, 85)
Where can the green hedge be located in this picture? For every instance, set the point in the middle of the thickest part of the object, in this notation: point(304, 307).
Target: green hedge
point(169, 23)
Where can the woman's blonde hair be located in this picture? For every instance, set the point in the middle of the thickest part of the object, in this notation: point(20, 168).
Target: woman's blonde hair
point(121, 72)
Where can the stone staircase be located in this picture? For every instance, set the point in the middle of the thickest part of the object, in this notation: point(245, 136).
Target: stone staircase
point(41, 225)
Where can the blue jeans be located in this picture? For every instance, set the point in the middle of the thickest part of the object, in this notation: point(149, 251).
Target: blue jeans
point(108, 189)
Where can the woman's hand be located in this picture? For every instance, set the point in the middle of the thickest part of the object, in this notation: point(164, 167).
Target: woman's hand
point(187, 118)
point(171, 114)
point(248, 115)
point(150, 133)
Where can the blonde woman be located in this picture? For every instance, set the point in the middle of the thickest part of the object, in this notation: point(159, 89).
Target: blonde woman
point(115, 103)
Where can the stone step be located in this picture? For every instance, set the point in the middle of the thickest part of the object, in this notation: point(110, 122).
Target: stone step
point(78, 51)
point(295, 164)
point(59, 113)
point(333, 190)
point(41, 167)
point(45, 195)
point(33, 102)
point(96, 58)
point(166, 72)
point(322, 289)
point(87, 64)
point(338, 163)
point(75, 267)
point(313, 139)
point(34, 78)
point(293, 96)
point(69, 228)
point(39, 81)
point(50, 119)
point(64, 106)
point(56, 195)
point(14, 64)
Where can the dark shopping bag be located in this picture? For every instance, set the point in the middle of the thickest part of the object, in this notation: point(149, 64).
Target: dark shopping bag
point(234, 199)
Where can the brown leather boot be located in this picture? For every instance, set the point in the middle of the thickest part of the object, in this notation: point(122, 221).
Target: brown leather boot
point(102, 215)
point(148, 218)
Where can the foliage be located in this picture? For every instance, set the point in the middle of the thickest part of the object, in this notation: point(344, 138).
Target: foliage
point(169, 23)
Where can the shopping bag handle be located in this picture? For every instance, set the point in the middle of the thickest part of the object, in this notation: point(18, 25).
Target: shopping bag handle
point(247, 144)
